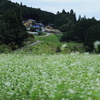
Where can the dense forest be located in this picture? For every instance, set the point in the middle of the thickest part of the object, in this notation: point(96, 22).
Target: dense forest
point(13, 32)
point(36, 14)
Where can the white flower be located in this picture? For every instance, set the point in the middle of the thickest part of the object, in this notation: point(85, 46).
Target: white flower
point(64, 46)
point(71, 91)
point(96, 44)
point(7, 83)
point(86, 53)
point(63, 99)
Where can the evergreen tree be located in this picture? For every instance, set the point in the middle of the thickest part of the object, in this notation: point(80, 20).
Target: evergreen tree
point(68, 31)
point(12, 29)
point(63, 11)
point(81, 28)
point(72, 15)
point(93, 34)
point(3, 30)
point(79, 18)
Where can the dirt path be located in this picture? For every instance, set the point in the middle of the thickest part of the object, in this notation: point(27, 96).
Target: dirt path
point(29, 45)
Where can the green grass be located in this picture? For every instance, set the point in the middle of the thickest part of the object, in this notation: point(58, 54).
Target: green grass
point(59, 36)
point(49, 77)
point(52, 38)
point(52, 48)
point(53, 42)
point(42, 33)
point(76, 46)
point(40, 48)
point(49, 45)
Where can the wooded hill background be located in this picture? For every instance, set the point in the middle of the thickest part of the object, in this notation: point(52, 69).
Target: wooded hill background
point(85, 30)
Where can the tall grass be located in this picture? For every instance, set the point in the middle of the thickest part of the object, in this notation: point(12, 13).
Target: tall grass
point(49, 77)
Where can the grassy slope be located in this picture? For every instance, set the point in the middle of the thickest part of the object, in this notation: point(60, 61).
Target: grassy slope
point(52, 38)
point(49, 77)
point(50, 43)
point(43, 47)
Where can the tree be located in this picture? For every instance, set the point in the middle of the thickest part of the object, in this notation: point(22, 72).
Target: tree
point(3, 30)
point(68, 31)
point(92, 35)
point(72, 15)
point(15, 30)
point(79, 18)
point(82, 26)
point(58, 12)
point(63, 11)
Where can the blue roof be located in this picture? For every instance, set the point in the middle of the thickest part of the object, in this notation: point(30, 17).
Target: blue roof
point(36, 26)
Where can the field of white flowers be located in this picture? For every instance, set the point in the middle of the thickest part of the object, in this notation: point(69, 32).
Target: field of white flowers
point(49, 77)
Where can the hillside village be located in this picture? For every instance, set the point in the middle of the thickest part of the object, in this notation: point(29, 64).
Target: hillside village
point(13, 34)
point(32, 24)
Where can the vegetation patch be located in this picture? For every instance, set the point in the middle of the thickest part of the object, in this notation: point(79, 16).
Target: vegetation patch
point(51, 38)
point(59, 36)
point(49, 77)
point(43, 47)
point(42, 33)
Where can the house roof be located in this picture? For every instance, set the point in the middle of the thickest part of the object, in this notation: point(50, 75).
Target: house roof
point(26, 24)
point(31, 20)
point(36, 26)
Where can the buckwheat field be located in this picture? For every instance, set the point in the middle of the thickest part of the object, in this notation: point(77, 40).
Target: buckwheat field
point(50, 77)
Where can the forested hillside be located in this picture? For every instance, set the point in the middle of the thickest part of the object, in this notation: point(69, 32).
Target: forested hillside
point(13, 32)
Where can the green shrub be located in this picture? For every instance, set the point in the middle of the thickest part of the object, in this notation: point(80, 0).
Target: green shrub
point(41, 33)
point(58, 49)
point(33, 29)
point(13, 46)
point(31, 36)
point(5, 48)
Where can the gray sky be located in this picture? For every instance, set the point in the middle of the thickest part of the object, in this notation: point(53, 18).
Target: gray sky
point(89, 8)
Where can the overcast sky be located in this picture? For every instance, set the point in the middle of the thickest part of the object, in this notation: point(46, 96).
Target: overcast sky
point(89, 8)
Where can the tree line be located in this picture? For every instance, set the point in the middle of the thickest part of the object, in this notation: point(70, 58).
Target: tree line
point(84, 30)
point(12, 31)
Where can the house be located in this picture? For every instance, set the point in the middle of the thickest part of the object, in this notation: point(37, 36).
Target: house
point(51, 25)
point(38, 26)
point(51, 30)
point(31, 20)
point(29, 23)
